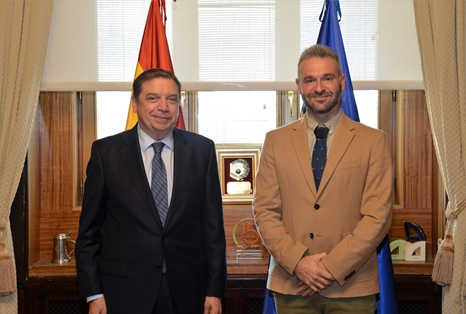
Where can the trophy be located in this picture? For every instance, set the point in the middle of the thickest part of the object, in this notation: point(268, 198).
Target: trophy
point(248, 242)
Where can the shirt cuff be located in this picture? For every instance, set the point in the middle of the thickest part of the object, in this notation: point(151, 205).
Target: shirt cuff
point(94, 297)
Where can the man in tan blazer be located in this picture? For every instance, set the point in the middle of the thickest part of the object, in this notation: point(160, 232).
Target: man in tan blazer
point(323, 240)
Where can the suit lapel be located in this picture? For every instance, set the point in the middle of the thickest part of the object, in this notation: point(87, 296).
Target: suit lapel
point(301, 148)
point(130, 153)
point(182, 164)
point(343, 138)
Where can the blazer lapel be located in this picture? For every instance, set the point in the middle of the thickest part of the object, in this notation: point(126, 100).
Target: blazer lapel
point(343, 138)
point(301, 147)
point(135, 168)
point(182, 164)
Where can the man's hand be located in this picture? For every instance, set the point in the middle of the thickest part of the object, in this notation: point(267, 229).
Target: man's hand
point(313, 275)
point(304, 290)
point(212, 305)
point(98, 306)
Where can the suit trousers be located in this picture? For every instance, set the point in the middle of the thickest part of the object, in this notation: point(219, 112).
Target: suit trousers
point(317, 304)
point(165, 302)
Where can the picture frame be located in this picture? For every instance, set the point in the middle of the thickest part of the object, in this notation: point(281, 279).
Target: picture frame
point(237, 166)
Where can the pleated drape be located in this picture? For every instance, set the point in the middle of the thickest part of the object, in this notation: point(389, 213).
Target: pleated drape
point(440, 28)
point(25, 27)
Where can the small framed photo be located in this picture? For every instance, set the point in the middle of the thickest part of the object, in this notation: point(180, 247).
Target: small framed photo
point(237, 165)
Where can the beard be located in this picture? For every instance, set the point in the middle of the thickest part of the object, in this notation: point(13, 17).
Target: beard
point(333, 102)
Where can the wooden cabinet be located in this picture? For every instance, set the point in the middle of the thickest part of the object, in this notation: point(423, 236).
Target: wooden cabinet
point(416, 294)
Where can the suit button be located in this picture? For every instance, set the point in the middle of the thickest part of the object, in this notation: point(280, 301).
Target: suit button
point(158, 267)
point(316, 206)
point(311, 235)
point(164, 238)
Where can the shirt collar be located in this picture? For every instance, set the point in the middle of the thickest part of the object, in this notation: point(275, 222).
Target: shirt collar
point(145, 141)
point(330, 124)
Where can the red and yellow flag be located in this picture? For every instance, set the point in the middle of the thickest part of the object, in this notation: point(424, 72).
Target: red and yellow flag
point(154, 53)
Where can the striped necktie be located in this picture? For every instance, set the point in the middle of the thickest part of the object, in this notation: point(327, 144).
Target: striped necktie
point(159, 182)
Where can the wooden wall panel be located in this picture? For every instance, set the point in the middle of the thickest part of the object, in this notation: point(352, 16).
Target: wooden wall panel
point(33, 190)
point(58, 150)
point(418, 151)
point(404, 117)
point(54, 222)
point(53, 167)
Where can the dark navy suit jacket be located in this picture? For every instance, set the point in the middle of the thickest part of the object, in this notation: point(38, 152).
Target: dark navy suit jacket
point(121, 243)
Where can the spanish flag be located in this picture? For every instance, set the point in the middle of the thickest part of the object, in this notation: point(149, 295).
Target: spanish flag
point(154, 52)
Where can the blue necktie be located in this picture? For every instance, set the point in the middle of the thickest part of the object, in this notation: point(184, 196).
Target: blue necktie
point(319, 155)
point(159, 182)
point(158, 186)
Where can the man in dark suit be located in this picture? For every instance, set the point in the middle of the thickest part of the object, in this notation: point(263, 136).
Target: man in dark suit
point(131, 256)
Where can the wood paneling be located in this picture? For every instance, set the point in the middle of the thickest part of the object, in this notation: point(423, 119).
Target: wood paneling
point(54, 188)
point(54, 222)
point(418, 151)
point(405, 119)
point(33, 190)
point(58, 150)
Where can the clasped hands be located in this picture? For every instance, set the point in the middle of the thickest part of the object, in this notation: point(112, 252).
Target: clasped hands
point(312, 274)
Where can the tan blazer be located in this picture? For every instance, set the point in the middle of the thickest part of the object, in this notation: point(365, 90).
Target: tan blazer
point(347, 218)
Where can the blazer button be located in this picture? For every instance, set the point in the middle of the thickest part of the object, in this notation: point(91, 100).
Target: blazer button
point(311, 235)
point(316, 206)
point(158, 267)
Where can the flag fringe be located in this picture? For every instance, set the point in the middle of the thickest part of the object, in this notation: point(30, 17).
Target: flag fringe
point(442, 272)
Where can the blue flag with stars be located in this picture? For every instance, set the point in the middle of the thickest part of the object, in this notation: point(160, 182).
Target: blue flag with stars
point(330, 35)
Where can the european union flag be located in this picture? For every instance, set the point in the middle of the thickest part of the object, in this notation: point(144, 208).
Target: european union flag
point(330, 35)
point(269, 304)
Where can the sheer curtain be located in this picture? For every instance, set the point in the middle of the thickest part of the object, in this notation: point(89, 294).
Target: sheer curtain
point(441, 35)
point(23, 39)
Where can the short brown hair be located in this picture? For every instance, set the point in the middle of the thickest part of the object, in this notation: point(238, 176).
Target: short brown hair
point(150, 75)
point(319, 51)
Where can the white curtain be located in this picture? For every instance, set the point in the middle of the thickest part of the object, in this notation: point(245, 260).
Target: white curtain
point(441, 36)
point(25, 26)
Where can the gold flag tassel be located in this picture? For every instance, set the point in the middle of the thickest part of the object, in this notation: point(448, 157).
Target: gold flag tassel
point(7, 267)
